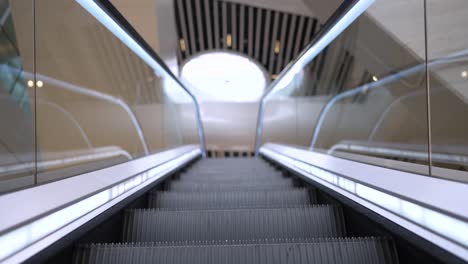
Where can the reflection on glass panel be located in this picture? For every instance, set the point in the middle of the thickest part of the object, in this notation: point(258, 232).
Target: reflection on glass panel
point(16, 92)
point(99, 103)
point(364, 96)
point(180, 118)
point(448, 69)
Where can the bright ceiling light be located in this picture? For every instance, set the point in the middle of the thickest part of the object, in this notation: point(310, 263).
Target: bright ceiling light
point(464, 74)
point(225, 76)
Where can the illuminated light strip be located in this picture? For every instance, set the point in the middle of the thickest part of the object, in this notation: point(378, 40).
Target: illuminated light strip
point(24, 236)
point(439, 223)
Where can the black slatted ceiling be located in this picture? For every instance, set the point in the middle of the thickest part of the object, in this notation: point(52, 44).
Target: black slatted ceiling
point(204, 25)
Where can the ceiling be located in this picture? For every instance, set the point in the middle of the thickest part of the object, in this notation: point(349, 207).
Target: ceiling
point(271, 37)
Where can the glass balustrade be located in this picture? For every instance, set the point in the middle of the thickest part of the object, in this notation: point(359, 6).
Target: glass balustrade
point(448, 87)
point(363, 97)
point(80, 94)
point(383, 92)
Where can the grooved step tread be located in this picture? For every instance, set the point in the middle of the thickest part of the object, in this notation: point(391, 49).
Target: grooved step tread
point(144, 225)
point(336, 250)
point(236, 210)
point(240, 186)
point(233, 173)
point(221, 179)
point(232, 200)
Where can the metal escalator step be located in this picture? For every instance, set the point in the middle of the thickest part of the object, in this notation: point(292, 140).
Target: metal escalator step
point(235, 179)
point(238, 186)
point(206, 165)
point(145, 225)
point(334, 250)
point(227, 167)
point(215, 165)
point(221, 180)
point(233, 160)
point(231, 174)
point(220, 163)
point(232, 200)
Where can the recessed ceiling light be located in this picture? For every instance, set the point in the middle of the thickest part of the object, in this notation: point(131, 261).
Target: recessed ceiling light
point(277, 46)
point(229, 40)
point(30, 83)
point(464, 74)
point(39, 84)
point(182, 44)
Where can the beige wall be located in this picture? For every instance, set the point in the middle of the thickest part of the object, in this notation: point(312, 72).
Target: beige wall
point(229, 125)
point(154, 20)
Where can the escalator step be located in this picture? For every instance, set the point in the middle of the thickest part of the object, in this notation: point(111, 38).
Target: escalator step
point(336, 250)
point(238, 166)
point(246, 160)
point(233, 171)
point(235, 180)
point(146, 225)
point(231, 200)
point(238, 186)
point(241, 165)
point(233, 174)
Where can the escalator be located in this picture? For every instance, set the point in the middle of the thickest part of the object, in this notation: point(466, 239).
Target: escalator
point(162, 201)
point(236, 210)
